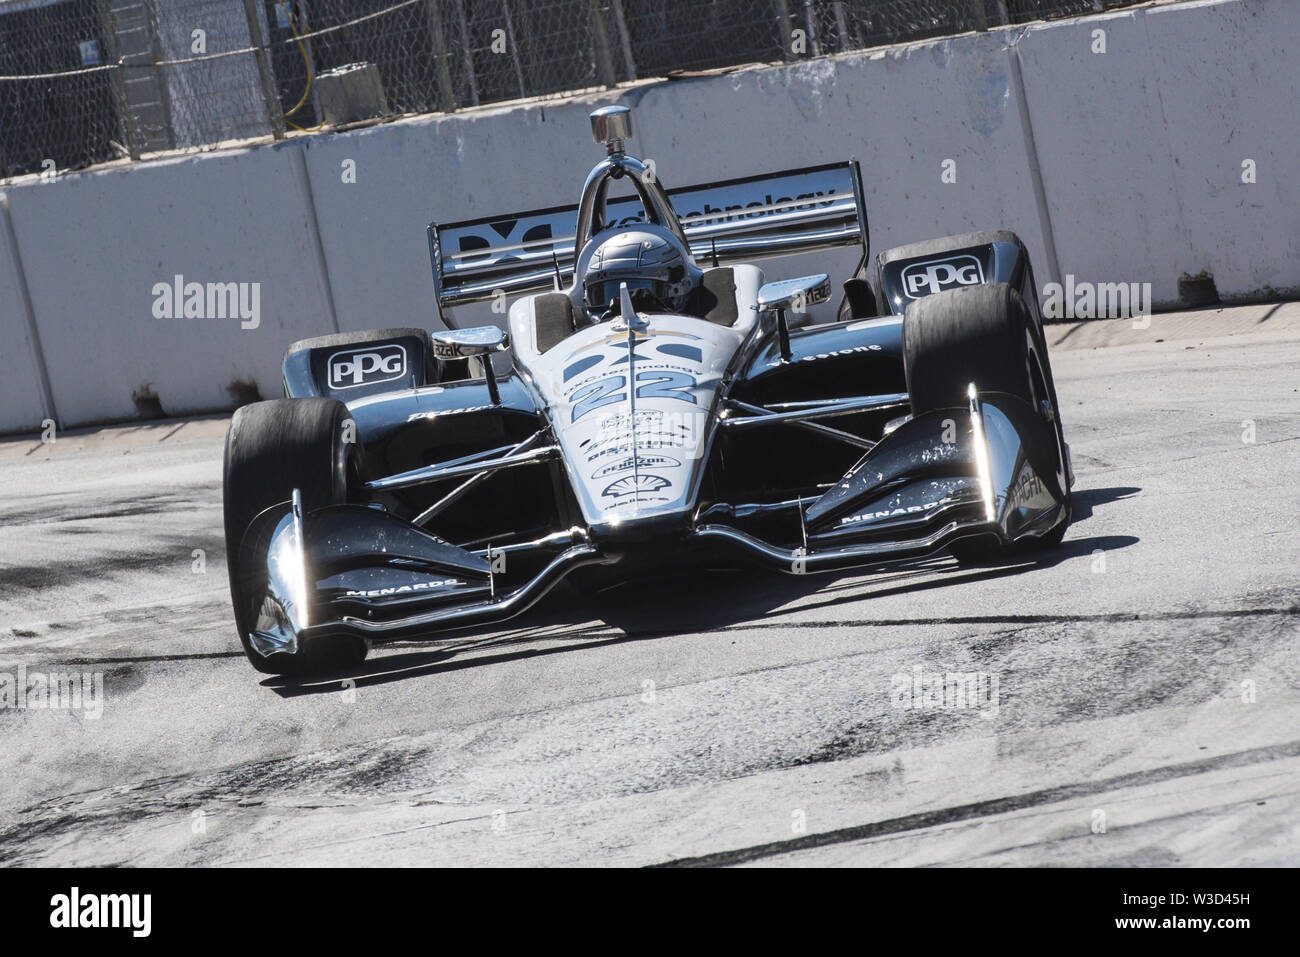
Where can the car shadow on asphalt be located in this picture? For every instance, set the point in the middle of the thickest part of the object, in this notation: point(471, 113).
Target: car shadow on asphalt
point(1085, 500)
point(695, 602)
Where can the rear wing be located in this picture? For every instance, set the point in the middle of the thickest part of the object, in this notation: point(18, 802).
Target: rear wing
point(738, 220)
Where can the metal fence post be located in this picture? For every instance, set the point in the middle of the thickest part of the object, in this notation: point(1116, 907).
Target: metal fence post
point(844, 41)
point(124, 116)
point(469, 53)
point(604, 58)
point(783, 15)
point(624, 38)
point(514, 47)
point(447, 90)
point(810, 18)
point(273, 113)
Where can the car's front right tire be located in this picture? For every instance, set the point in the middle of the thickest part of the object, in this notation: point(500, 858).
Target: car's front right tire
point(985, 335)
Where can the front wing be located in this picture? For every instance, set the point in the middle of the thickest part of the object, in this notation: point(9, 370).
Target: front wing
point(986, 470)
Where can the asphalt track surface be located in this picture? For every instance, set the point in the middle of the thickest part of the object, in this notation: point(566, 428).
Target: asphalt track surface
point(1148, 671)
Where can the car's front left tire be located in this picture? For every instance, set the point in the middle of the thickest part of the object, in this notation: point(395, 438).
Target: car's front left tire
point(272, 448)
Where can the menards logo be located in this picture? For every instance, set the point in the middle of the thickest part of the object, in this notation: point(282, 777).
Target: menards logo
point(888, 513)
point(401, 589)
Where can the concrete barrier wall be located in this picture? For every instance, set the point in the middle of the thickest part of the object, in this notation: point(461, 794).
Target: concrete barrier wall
point(1115, 166)
point(496, 161)
point(1229, 89)
point(1141, 147)
point(22, 405)
point(903, 114)
point(95, 246)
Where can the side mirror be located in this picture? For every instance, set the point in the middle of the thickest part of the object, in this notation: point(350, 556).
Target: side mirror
point(611, 125)
point(479, 341)
point(795, 294)
point(464, 343)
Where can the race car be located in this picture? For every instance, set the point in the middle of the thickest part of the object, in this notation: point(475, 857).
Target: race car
point(661, 403)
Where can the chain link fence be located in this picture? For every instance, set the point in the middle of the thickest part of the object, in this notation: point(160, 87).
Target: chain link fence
point(88, 81)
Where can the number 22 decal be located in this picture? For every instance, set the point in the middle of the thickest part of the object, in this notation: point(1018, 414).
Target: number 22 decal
point(650, 385)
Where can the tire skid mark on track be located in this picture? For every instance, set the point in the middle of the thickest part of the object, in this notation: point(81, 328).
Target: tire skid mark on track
point(83, 505)
point(373, 778)
point(1118, 616)
point(148, 659)
point(165, 559)
point(595, 637)
point(983, 809)
point(1157, 857)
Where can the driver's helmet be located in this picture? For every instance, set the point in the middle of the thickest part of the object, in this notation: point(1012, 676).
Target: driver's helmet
point(653, 267)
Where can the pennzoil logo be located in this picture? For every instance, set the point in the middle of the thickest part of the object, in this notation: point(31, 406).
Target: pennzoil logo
point(358, 367)
point(638, 462)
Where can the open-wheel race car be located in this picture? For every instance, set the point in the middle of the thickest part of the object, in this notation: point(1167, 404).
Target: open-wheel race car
point(665, 403)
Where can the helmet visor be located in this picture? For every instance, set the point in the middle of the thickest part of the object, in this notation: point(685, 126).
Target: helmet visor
point(603, 295)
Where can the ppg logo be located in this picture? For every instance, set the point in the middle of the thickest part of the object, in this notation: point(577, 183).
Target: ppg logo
point(935, 275)
point(367, 366)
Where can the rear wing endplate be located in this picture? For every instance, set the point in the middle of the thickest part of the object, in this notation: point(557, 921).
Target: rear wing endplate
point(739, 220)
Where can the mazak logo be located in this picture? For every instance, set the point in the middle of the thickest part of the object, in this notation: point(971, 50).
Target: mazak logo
point(75, 909)
point(936, 275)
point(359, 367)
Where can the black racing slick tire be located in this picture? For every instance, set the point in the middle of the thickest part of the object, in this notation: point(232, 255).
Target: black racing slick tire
point(272, 448)
point(985, 335)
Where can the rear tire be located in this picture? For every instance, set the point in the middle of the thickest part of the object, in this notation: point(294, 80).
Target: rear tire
point(982, 334)
point(271, 449)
